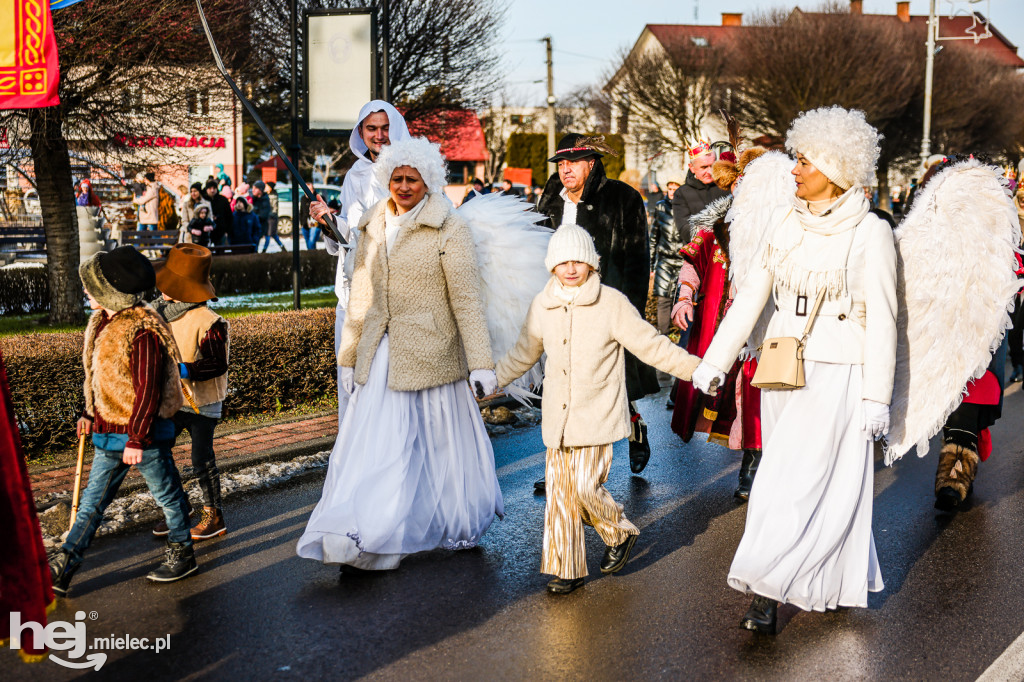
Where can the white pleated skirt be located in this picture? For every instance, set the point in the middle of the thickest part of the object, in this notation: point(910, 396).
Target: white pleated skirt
point(410, 471)
point(807, 539)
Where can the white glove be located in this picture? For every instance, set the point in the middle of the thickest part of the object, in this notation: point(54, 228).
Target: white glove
point(484, 382)
point(876, 419)
point(348, 379)
point(705, 375)
point(748, 353)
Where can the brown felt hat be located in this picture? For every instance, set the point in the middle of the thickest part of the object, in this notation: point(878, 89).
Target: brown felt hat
point(185, 275)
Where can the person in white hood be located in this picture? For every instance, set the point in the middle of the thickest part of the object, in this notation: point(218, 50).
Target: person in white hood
point(379, 124)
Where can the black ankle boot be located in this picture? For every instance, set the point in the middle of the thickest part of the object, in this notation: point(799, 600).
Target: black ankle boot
point(639, 448)
point(748, 469)
point(616, 557)
point(761, 616)
point(564, 585)
point(62, 568)
point(179, 562)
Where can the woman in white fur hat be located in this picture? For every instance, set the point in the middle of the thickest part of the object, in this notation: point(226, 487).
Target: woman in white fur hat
point(808, 536)
point(584, 327)
point(412, 468)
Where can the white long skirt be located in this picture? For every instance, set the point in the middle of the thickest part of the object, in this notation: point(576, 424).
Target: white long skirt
point(339, 322)
point(808, 539)
point(410, 471)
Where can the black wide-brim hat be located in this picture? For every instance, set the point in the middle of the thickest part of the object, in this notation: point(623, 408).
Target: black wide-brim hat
point(571, 148)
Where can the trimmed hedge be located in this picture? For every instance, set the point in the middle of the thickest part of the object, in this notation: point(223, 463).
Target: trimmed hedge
point(27, 290)
point(278, 361)
point(530, 150)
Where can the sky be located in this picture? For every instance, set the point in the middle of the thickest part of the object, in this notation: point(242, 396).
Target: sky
point(586, 36)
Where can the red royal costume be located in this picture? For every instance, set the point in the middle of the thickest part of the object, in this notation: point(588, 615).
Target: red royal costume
point(732, 419)
point(24, 573)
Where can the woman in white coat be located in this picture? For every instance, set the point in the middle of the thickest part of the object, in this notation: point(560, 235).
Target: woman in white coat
point(412, 468)
point(807, 539)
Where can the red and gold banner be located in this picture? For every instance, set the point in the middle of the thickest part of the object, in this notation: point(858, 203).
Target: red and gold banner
point(29, 73)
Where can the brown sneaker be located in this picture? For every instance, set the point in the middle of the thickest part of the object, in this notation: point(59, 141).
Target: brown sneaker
point(160, 529)
point(210, 525)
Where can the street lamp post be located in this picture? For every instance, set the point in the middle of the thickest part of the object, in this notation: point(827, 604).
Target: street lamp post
point(293, 150)
point(929, 74)
point(551, 106)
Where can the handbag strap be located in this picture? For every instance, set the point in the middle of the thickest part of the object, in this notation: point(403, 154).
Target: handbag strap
point(814, 314)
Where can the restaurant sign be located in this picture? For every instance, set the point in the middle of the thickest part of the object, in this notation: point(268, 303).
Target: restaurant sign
point(165, 141)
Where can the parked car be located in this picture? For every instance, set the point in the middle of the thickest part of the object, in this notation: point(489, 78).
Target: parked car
point(285, 210)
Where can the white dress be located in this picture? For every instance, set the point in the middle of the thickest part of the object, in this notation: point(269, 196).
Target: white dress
point(807, 539)
point(411, 471)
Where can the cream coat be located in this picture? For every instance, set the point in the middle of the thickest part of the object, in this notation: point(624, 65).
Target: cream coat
point(585, 375)
point(857, 322)
point(425, 294)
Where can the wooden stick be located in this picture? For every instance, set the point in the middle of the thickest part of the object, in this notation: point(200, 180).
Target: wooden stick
point(188, 397)
point(78, 480)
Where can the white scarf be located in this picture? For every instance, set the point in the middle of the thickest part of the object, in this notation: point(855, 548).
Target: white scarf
point(809, 252)
point(393, 223)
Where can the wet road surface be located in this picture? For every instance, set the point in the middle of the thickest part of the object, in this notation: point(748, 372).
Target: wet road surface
point(953, 599)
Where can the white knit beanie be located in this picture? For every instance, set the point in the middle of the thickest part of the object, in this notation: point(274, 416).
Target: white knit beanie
point(571, 243)
point(838, 142)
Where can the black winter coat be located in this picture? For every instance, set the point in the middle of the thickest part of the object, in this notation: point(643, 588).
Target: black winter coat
point(691, 199)
point(222, 217)
point(665, 242)
point(614, 215)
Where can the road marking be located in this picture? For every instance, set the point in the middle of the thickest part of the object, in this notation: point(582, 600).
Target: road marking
point(1009, 665)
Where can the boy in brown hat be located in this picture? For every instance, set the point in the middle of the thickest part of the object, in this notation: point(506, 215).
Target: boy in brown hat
point(202, 338)
point(131, 392)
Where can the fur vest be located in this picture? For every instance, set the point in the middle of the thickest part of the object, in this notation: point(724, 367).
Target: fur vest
point(189, 331)
point(107, 360)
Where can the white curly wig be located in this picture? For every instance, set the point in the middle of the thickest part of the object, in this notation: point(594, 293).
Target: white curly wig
point(839, 142)
point(418, 153)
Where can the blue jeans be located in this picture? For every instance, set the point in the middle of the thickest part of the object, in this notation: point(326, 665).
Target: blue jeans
point(312, 236)
point(107, 474)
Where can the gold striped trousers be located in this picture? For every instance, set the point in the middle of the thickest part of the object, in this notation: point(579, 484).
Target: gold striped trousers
point(576, 496)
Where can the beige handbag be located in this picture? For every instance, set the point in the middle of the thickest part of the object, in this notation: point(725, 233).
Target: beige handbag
point(781, 366)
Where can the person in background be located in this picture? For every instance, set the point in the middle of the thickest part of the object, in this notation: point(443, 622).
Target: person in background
point(220, 207)
point(202, 338)
point(476, 189)
point(148, 203)
point(311, 232)
point(86, 196)
point(245, 228)
point(223, 179)
point(261, 209)
point(275, 206)
point(200, 227)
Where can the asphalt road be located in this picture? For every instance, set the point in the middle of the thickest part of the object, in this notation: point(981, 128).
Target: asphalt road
point(954, 599)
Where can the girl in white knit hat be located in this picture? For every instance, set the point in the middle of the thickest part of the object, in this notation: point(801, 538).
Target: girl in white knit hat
point(584, 327)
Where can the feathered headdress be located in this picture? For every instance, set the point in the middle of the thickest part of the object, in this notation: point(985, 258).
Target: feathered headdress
point(595, 143)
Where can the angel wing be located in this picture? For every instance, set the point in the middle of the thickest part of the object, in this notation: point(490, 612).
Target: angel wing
point(766, 186)
point(510, 250)
point(955, 286)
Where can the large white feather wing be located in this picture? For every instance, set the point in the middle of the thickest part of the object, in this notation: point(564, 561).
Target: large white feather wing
point(767, 186)
point(510, 250)
point(955, 285)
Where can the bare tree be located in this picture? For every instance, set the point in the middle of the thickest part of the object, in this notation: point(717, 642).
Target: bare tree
point(498, 125)
point(668, 93)
point(124, 74)
point(787, 63)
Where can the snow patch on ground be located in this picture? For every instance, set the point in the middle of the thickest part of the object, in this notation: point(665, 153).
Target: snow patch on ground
point(140, 507)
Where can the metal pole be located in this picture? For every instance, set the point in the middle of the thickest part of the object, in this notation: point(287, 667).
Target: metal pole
point(294, 150)
point(929, 72)
point(385, 13)
point(551, 107)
